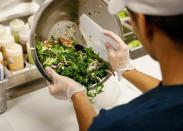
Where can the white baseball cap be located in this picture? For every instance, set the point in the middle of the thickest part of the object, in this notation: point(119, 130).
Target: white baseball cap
point(148, 7)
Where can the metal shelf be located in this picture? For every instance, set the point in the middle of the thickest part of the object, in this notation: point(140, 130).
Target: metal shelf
point(16, 80)
point(135, 52)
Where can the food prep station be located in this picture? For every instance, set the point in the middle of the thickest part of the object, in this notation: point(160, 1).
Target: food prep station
point(39, 111)
point(30, 72)
point(29, 79)
point(21, 81)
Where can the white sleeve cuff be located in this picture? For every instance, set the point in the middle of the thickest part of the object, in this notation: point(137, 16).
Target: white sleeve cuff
point(121, 70)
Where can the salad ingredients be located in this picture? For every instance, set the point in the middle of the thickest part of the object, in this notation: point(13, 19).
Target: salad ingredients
point(134, 44)
point(70, 59)
point(123, 14)
point(16, 26)
point(15, 57)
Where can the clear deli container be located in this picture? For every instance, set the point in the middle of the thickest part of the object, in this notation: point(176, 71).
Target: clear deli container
point(31, 20)
point(4, 30)
point(16, 26)
point(24, 38)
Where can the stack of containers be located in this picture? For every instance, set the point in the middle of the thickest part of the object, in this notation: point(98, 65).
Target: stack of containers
point(6, 39)
point(11, 51)
point(30, 23)
point(21, 33)
point(34, 72)
point(24, 36)
point(14, 48)
point(14, 43)
point(16, 70)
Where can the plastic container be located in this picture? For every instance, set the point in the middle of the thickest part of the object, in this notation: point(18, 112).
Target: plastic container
point(30, 21)
point(15, 57)
point(6, 40)
point(17, 26)
point(24, 36)
point(29, 55)
point(4, 30)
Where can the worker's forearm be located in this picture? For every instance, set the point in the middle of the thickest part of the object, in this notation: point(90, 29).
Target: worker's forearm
point(142, 81)
point(84, 111)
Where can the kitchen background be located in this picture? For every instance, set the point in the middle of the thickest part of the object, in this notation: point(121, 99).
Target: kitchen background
point(19, 77)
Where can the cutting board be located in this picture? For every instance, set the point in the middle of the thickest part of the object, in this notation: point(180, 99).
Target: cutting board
point(95, 37)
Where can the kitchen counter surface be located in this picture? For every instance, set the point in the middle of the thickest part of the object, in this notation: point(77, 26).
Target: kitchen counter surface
point(40, 112)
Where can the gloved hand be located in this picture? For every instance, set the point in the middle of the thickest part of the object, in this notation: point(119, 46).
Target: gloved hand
point(63, 87)
point(120, 58)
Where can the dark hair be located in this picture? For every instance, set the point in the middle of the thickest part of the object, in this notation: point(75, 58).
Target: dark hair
point(172, 26)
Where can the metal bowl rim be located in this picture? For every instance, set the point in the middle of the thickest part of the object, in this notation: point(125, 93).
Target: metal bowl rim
point(42, 8)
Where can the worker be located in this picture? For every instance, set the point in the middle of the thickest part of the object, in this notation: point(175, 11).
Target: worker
point(158, 24)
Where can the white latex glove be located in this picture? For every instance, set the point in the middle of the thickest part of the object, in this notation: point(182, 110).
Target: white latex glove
point(120, 58)
point(63, 87)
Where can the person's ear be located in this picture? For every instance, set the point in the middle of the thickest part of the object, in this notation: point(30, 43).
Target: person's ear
point(145, 28)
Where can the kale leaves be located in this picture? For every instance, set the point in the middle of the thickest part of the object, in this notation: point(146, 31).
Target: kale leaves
point(70, 59)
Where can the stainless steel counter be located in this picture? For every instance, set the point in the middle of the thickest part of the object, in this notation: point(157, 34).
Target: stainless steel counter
point(25, 88)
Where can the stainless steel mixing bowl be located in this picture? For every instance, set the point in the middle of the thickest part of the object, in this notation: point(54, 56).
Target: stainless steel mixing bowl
point(54, 17)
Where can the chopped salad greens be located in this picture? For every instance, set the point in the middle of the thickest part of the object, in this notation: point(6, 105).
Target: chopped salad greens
point(123, 14)
point(134, 44)
point(70, 59)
